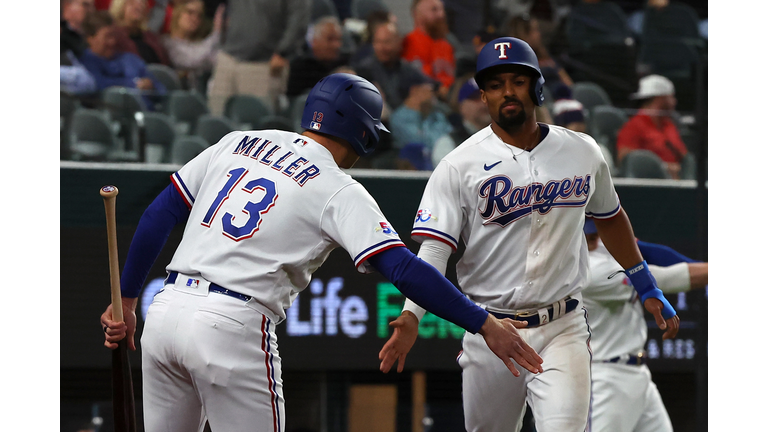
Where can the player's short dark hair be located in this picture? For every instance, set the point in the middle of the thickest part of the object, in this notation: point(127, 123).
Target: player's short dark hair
point(95, 21)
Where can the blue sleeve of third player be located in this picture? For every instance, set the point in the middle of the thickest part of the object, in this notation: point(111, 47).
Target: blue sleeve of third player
point(155, 225)
point(661, 255)
point(425, 286)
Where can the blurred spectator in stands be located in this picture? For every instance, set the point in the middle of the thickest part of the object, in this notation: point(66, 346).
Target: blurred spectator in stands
point(74, 78)
point(365, 48)
point(567, 111)
point(110, 67)
point(471, 116)
point(132, 33)
point(73, 13)
point(652, 128)
point(414, 157)
point(191, 49)
point(418, 120)
point(427, 47)
point(386, 69)
point(324, 55)
point(260, 38)
point(527, 28)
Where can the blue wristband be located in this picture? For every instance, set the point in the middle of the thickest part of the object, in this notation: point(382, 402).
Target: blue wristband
point(646, 287)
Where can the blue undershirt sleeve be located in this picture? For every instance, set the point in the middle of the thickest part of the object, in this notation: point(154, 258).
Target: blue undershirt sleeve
point(155, 225)
point(661, 255)
point(425, 286)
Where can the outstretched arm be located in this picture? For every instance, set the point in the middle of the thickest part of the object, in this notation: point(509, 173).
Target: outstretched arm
point(406, 326)
point(619, 238)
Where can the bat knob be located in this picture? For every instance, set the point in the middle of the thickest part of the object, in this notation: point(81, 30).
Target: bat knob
point(108, 191)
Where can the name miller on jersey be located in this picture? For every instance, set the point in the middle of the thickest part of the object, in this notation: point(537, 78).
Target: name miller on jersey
point(254, 147)
point(514, 203)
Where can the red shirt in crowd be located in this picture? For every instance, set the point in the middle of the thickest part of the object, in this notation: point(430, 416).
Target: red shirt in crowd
point(641, 132)
point(435, 56)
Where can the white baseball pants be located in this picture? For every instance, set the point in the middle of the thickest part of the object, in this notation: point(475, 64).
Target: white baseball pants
point(494, 400)
point(210, 356)
point(624, 399)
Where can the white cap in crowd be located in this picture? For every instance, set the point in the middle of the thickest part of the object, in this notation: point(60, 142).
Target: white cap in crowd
point(654, 85)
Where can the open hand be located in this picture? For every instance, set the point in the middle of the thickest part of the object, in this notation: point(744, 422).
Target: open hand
point(505, 341)
point(399, 344)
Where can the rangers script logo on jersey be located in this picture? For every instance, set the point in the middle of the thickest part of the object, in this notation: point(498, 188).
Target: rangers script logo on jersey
point(505, 204)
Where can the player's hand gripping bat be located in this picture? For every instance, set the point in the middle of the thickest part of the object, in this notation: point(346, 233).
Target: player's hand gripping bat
point(123, 402)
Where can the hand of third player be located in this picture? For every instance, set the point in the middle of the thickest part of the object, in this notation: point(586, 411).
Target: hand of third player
point(505, 341)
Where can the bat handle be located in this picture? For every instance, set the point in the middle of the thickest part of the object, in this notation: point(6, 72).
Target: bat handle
point(109, 193)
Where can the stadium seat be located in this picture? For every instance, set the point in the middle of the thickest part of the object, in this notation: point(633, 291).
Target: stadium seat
point(159, 135)
point(297, 110)
point(688, 167)
point(67, 107)
point(91, 137)
point(125, 106)
point(590, 94)
point(643, 164)
point(185, 148)
point(605, 122)
point(246, 111)
point(185, 107)
point(166, 75)
point(211, 128)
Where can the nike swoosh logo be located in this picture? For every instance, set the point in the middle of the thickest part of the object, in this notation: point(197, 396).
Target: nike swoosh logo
point(488, 167)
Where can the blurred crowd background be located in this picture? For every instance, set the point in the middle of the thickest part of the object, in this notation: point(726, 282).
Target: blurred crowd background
point(157, 81)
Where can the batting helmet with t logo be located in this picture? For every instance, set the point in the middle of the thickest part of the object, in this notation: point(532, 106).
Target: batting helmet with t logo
point(348, 107)
point(510, 51)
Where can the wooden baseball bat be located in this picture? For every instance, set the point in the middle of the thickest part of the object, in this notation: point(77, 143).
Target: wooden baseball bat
point(123, 402)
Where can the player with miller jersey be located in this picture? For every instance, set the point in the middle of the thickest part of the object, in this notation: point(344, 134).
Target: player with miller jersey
point(516, 193)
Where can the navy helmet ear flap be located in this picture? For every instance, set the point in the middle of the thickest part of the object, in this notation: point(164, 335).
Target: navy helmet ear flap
point(348, 107)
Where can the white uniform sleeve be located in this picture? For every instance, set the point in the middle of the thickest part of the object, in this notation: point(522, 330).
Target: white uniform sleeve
point(604, 202)
point(189, 178)
point(608, 281)
point(352, 219)
point(435, 253)
point(672, 279)
point(440, 214)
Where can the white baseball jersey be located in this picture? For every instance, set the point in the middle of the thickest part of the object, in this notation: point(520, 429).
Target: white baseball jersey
point(520, 215)
point(267, 207)
point(615, 312)
point(624, 397)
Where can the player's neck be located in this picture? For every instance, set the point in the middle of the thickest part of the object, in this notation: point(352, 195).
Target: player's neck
point(525, 136)
point(342, 152)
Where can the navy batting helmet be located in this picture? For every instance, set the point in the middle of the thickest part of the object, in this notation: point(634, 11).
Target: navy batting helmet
point(348, 107)
point(510, 51)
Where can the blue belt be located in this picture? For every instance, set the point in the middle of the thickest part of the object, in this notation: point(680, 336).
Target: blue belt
point(212, 288)
point(631, 360)
point(533, 317)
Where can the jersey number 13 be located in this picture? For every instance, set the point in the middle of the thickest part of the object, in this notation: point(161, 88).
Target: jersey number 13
point(253, 209)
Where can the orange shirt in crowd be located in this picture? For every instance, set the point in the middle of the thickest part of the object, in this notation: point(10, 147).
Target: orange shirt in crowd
point(640, 132)
point(434, 55)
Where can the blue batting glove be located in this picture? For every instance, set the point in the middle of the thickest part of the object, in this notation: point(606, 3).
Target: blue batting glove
point(646, 288)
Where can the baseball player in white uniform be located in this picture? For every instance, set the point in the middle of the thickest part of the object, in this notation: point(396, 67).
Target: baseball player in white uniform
point(263, 209)
point(624, 399)
point(516, 194)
